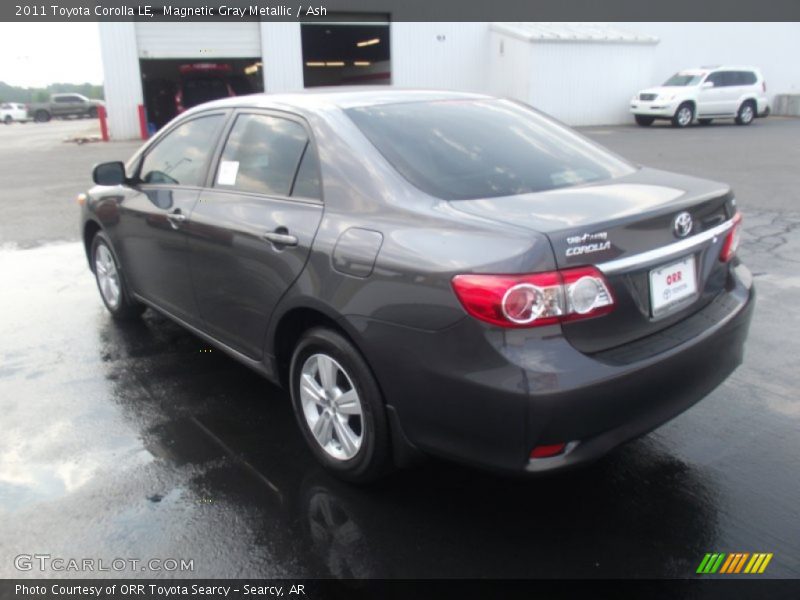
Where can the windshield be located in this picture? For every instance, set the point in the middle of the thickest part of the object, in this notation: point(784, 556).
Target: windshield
point(682, 79)
point(467, 149)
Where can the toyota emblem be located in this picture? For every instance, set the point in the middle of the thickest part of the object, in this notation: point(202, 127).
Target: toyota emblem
point(682, 225)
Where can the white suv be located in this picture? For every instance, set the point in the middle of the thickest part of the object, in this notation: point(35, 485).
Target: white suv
point(704, 94)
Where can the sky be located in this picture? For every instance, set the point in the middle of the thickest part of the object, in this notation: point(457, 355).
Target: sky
point(36, 54)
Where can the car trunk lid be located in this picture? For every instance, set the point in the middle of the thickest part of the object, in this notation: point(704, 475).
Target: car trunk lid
point(627, 228)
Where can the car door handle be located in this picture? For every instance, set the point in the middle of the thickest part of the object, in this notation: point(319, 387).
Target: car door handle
point(176, 218)
point(280, 237)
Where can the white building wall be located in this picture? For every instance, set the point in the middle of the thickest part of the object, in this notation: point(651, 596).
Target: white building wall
point(773, 47)
point(440, 55)
point(588, 83)
point(121, 79)
point(282, 57)
point(509, 66)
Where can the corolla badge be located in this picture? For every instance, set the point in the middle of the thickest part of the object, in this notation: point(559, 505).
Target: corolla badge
point(588, 243)
point(682, 224)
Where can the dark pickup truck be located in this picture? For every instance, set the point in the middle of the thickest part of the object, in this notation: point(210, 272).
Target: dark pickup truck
point(65, 105)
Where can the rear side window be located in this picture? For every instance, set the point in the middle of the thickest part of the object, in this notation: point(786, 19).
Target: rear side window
point(747, 78)
point(467, 149)
point(307, 183)
point(181, 156)
point(262, 155)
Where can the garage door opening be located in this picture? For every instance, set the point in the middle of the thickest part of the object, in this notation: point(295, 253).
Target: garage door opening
point(346, 54)
point(171, 86)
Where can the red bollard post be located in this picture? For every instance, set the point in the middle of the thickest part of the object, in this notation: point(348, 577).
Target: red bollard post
point(101, 114)
point(143, 123)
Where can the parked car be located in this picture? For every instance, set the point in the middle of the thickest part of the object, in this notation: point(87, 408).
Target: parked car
point(13, 111)
point(65, 105)
point(704, 94)
point(429, 272)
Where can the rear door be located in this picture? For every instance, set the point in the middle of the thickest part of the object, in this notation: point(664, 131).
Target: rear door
point(252, 229)
point(734, 87)
point(711, 101)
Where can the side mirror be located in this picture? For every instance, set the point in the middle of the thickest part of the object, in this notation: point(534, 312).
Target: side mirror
point(110, 173)
point(707, 85)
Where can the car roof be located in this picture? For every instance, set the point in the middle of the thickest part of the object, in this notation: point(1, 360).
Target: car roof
point(710, 68)
point(322, 98)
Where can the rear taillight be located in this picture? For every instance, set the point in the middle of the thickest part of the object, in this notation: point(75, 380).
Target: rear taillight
point(536, 299)
point(732, 239)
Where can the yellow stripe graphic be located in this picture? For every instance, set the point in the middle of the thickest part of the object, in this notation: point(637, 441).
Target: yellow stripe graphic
point(758, 562)
point(749, 568)
point(765, 563)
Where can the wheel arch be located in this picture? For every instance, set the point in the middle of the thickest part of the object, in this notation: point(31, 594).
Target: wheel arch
point(90, 229)
point(295, 319)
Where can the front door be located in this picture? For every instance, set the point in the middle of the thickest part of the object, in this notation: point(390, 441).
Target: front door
point(155, 214)
point(252, 231)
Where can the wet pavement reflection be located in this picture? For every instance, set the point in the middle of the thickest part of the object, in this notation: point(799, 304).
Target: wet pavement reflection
point(139, 440)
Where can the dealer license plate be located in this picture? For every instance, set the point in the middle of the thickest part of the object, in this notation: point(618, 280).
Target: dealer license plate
point(672, 286)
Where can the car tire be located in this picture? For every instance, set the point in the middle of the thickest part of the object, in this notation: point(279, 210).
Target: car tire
point(746, 114)
point(41, 116)
point(92, 112)
point(704, 121)
point(683, 116)
point(351, 439)
point(111, 282)
point(644, 120)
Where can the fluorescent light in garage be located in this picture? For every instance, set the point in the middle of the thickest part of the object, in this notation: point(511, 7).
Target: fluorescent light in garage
point(371, 42)
point(315, 64)
point(361, 63)
point(335, 63)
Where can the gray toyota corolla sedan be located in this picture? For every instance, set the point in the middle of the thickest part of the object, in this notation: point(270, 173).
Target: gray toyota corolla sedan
point(429, 272)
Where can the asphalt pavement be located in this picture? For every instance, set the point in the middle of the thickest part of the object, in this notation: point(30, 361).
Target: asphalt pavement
point(136, 441)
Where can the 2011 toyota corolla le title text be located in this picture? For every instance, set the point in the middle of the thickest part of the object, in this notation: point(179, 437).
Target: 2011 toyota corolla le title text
point(429, 272)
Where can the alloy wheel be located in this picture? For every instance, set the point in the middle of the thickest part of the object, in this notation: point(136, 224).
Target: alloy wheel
point(684, 116)
point(331, 407)
point(107, 276)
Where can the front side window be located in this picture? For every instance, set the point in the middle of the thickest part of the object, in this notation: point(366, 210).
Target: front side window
point(467, 149)
point(262, 155)
point(717, 79)
point(180, 157)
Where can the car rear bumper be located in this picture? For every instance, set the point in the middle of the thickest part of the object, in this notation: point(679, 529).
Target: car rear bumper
point(487, 396)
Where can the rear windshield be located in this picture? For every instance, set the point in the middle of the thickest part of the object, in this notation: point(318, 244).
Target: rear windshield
point(681, 79)
point(467, 149)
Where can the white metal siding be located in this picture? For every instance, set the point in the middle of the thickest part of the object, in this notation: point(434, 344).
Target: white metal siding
point(198, 40)
point(282, 57)
point(510, 67)
point(440, 55)
point(589, 83)
point(121, 79)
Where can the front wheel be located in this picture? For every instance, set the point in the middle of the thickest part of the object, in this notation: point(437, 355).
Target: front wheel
point(41, 116)
point(746, 114)
point(92, 112)
point(110, 281)
point(644, 120)
point(339, 407)
point(7, 120)
point(683, 116)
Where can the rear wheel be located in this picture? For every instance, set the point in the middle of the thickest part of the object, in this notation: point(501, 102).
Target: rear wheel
point(111, 282)
point(41, 116)
point(683, 116)
point(339, 407)
point(7, 120)
point(704, 121)
point(746, 114)
point(644, 120)
point(93, 112)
